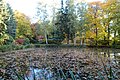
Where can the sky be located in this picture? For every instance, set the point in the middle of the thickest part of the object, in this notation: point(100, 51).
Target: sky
point(28, 7)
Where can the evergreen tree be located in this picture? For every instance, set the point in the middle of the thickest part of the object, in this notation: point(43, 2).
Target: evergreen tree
point(65, 22)
point(11, 23)
point(59, 33)
point(70, 17)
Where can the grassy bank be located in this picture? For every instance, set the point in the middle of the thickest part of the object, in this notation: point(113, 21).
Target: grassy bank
point(11, 47)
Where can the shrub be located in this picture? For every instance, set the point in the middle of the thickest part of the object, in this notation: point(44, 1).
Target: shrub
point(118, 42)
point(33, 40)
point(17, 47)
point(37, 45)
point(26, 41)
point(20, 41)
point(29, 46)
point(104, 42)
point(9, 40)
point(51, 41)
point(3, 38)
point(4, 48)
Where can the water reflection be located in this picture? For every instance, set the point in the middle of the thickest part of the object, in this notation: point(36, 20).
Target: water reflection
point(42, 61)
point(113, 54)
point(42, 74)
point(59, 57)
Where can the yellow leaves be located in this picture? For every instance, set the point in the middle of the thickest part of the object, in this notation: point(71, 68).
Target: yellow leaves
point(3, 38)
point(102, 34)
point(23, 24)
point(90, 34)
point(109, 5)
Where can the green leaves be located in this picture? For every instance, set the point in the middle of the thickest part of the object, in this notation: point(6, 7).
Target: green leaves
point(66, 21)
point(23, 25)
point(11, 22)
point(4, 16)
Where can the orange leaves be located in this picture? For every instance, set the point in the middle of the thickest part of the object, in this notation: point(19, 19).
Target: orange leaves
point(95, 3)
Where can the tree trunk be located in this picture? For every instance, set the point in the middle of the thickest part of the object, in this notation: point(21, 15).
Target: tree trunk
point(68, 39)
point(105, 31)
point(75, 40)
point(108, 35)
point(46, 37)
point(68, 36)
point(96, 37)
point(114, 43)
point(80, 41)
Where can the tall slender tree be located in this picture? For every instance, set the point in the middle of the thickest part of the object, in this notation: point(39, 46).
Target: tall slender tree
point(108, 8)
point(11, 23)
point(81, 26)
point(115, 25)
point(94, 13)
point(60, 23)
point(66, 21)
point(42, 13)
point(71, 19)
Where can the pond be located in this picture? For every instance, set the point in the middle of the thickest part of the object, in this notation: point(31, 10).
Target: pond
point(61, 64)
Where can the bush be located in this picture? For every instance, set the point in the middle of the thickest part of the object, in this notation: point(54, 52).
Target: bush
point(118, 47)
point(18, 47)
point(4, 48)
point(23, 41)
point(37, 45)
point(29, 46)
point(104, 42)
point(9, 41)
point(45, 45)
point(118, 42)
point(11, 47)
point(51, 41)
point(19, 41)
point(3, 38)
point(33, 40)
point(26, 41)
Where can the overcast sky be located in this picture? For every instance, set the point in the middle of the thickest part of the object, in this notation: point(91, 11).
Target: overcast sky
point(28, 7)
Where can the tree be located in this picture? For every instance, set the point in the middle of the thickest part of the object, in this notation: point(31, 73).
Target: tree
point(118, 19)
point(23, 29)
point(81, 25)
point(59, 23)
point(115, 5)
point(4, 16)
point(53, 31)
point(66, 21)
point(108, 8)
point(43, 17)
point(11, 23)
point(71, 19)
point(94, 18)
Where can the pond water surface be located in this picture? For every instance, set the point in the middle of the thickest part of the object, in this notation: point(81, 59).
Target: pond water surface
point(61, 64)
